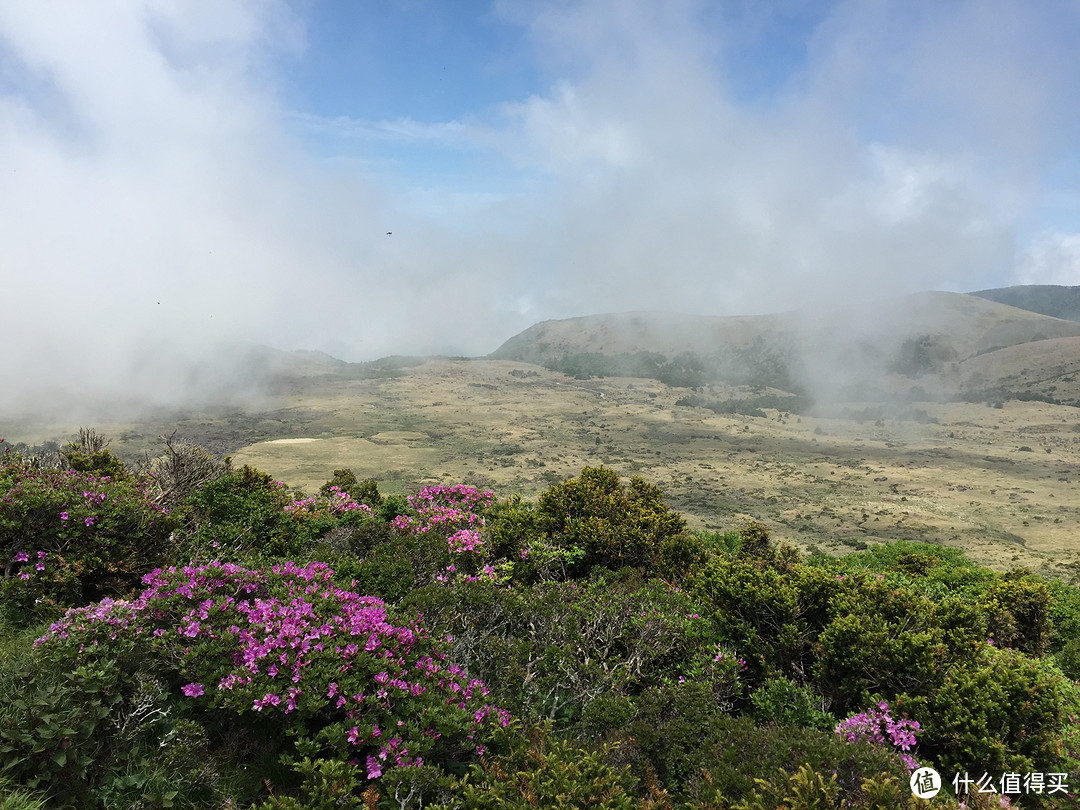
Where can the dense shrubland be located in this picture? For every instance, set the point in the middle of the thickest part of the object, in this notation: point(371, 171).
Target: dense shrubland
point(193, 635)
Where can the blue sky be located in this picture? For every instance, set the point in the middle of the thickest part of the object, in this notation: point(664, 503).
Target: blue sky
point(182, 173)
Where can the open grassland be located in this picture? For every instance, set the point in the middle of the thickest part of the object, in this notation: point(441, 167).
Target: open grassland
point(999, 482)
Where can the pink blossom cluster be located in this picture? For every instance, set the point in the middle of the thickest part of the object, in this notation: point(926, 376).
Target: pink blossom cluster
point(730, 658)
point(876, 725)
point(289, 640)
point(455, 511)
point(446, 508)
point(338, 502)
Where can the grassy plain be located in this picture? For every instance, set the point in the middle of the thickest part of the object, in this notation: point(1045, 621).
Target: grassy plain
point(999, 482)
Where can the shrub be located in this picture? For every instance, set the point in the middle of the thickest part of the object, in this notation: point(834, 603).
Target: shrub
point(1018, 612)
point(538, 771)
point(597, 521)
point(1002, 713)
point(786, 703)
point(69, 537)
point(702, 756)
point(240, 513)
point(774, 615)
point(876, 725)
point(181, 470)
point(101, 734)
point(301, 657)
point(553, 650)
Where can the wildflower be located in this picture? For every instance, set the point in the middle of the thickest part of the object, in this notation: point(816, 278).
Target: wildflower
point(193, 690)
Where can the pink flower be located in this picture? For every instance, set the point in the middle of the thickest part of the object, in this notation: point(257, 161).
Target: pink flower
point(193, 690)
point(63, 515)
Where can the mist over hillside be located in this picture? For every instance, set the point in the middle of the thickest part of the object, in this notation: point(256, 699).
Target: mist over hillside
point(1054, 300)
point(919, 346)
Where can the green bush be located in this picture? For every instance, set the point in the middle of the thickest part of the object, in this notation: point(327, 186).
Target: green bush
point(1018, 607)
point(240, 513)
point(785, 703)
point(101, 734)
point(68, 538)
point(1003, 712)
point(698, 753)
point(552, 650)
point(599, 522)
point(539, 771)
point(774, 615)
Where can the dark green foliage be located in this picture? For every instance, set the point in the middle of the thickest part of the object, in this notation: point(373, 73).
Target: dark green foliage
point(750, 406)
point(552, 650)
point(774, 614)
point(786, 703)
point(345, 480)
point(102, 734)
point(392, 506)
point(101, 463)
point(397, 564)
point(328, 784)
point(684, 370)
point(920, 355)
point(539, 771)
point(696, 751)
point(68, 538)
point(365, 492)
point(1017, 607)
point(239, 513)
point(510, 528)
point(1002, 712)
point(90, 455)
point(600, 522)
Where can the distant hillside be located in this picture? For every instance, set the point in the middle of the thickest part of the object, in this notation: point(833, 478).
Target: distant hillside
point(852, 352)
point(1046, 299)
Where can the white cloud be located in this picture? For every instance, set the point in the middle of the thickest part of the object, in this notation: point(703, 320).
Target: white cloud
point(147, 157)
point(1052, 258)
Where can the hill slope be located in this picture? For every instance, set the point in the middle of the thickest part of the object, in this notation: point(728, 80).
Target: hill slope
point(920, 337)
point(1047, 299)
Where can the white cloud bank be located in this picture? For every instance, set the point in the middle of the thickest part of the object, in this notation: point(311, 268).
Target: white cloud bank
point(158, 197)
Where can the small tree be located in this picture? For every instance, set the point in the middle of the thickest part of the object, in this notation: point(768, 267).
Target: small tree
point(597, 521)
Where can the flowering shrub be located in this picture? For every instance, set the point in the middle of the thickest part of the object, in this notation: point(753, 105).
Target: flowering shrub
point(336, 502)
point(446, 508)
point(69, 537)
point(877, 726)
point(456, 513)
point(1005, 711)
point(288, 644)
